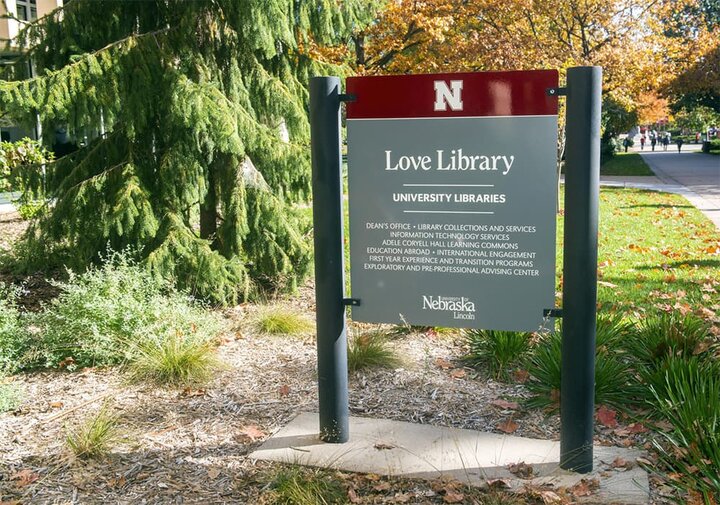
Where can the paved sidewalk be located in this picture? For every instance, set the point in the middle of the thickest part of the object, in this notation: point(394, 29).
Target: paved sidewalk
point(693, 174)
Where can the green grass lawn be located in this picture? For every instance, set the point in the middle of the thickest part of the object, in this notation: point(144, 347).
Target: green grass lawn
point(625, 164)
point(656, 253)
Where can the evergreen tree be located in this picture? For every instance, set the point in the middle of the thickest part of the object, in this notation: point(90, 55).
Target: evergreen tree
point(206, 153)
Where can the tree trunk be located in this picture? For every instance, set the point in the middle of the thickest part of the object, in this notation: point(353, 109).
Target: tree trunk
point(208, 209)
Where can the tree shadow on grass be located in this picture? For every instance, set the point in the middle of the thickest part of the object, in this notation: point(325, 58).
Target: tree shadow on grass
point(679, 264)
point(656, 206)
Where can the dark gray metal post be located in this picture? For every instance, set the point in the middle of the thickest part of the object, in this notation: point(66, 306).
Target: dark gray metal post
point(582, 174)
point(329, 272)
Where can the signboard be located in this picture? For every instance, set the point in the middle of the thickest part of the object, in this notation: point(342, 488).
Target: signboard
point(453, 192)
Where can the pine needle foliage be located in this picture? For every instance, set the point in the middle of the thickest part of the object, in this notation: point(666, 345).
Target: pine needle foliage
point(194, 169)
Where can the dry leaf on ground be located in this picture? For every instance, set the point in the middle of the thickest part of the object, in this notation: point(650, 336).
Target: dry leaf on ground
point(508, 426)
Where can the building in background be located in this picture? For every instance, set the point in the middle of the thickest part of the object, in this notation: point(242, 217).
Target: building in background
point(14, 14)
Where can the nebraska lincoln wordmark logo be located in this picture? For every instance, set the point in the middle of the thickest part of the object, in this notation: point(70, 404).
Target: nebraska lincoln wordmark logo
point(461, 307)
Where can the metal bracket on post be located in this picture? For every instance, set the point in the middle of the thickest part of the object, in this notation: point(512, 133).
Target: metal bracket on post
point(556, 312)
point(346, 97)
point(556, 91)
point(355, 302)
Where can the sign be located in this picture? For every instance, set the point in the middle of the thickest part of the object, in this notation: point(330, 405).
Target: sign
point(453, 192)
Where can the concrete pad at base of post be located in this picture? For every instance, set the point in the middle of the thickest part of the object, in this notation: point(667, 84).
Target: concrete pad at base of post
point(407, 450)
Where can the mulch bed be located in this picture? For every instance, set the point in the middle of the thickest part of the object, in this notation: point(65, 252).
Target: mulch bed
point(191, 445)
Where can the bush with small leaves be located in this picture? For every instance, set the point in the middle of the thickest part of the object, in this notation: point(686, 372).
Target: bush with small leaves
point(10, 396)
point(14, 337)
point(103, 315)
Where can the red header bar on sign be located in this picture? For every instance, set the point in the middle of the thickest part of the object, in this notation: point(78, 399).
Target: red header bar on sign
point(517, 93)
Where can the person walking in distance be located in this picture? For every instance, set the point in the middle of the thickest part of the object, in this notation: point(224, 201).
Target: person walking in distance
point(665, 142)
point(679, 142)
point(653, 142)
point(642, 142)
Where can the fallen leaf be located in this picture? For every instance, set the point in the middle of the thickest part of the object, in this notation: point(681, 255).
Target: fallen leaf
point(508, 426)
point(458, 373)
point(521, 376)
point(452, 497)
point(607, 284)
point(56, 405)
point(253, 432)
point(381, 446)
point(383, 486)
point(619, 463)
point(402, 497)
point(353, 497)
point(637, 428)
point(284, 390)
point(213, 473)
point(607, 417)
point(585, 487)
point(549, 497)
point(190, 392)
point(498, 484)
point(504, 404)
point(443, 363)
point(24, 477)
point(522, 470)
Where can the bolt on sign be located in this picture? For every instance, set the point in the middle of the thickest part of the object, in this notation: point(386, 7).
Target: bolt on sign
point(453, 189)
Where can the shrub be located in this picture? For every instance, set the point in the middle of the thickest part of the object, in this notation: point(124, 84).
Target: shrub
point(178, 349)
point(295, 487)
point(92, 437)
point(614, 382)
point(279, 320)
point(498, 349)
point(711, 146)
point(10, 396)
point(690, 401)
point(14, 338)
point(371, 350)
point(102, 315)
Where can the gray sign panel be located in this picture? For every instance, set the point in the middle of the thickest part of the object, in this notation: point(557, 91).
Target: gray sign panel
point(452, 220)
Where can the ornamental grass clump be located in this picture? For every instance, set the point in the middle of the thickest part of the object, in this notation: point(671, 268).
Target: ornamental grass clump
point(371, 350)
point(690, 401)
point(615, 384)
point(280, 320)
point(92, 437)
point(178, 350)
point(497, 349)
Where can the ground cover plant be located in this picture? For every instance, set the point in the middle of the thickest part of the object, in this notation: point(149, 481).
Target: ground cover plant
point(625, 164)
